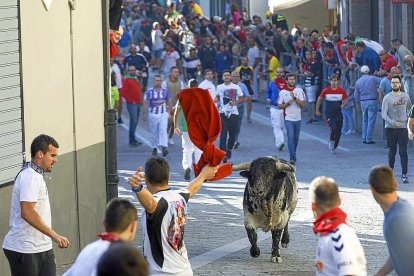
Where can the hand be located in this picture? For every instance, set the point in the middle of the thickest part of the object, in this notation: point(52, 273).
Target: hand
point(398, 124)
point(269, 101)
point(136, 179)
point(61, 241)
point(176, 131)
point(410, 135)
point(318, 113)
point(209, 172)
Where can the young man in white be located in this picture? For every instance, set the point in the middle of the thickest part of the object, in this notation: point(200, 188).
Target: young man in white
point(165, 216)
point(120, 225)
point(208, 84)
point(292, 99)
point(339, 251)
point(157, 103)
point(169, 58)
point(28, 244)
point(188, 147)
point(229, 95)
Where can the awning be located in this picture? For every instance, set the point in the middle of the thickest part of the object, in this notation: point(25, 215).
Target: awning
point(285, 4)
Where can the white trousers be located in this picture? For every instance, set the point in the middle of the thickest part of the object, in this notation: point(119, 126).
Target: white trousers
point(158, 125)
point(188, 150)
point(276, 117)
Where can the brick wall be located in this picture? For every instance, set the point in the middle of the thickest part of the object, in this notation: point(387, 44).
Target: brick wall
point(410, 27)
point(387, 24)
point(360, 13)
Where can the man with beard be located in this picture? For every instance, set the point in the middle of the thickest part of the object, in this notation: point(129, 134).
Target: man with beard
point(292, 99)
point(395, 107)
point(229, 95)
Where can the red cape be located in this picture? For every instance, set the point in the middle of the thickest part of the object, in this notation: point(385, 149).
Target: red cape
point(204, 126)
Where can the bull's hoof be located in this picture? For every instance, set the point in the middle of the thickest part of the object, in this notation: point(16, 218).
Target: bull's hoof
point(276, 259)
point(255, 252)
point(284, 245)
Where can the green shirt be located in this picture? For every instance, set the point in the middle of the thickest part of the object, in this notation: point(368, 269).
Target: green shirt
point(184, 126)
point(114, 96)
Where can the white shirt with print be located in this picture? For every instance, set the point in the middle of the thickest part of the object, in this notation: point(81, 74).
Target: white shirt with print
point(293, 111)
point(229, 93)
point(340, 253)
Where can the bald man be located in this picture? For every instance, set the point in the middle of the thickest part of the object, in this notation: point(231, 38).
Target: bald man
point(339, 251)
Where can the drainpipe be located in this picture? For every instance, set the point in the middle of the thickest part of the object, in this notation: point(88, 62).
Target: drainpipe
point(381, 22)
point(111, 164)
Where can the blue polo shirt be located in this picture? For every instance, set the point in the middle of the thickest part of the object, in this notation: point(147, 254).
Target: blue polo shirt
point(399, 234)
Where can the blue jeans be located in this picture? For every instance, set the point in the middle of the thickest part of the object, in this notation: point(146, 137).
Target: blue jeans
point(239, 121)
point(293, 131)
point(369, 115)
point(133, 110)
point(348, 119)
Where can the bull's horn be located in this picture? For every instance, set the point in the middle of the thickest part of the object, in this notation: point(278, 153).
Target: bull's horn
point(284, 167)
point(241, 167)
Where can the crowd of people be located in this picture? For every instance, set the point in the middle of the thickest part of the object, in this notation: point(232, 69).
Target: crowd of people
point(238, 60)
point(177, 42)
point(28, 244)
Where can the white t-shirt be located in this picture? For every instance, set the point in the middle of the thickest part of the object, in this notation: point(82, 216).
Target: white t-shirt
point(293, 111)
point(118, 76)
point(170, 60)
point(87, 261)
point(164, 230)
point(252, 54)
point(227, 93)
point(340, 253)
point(22, 237)
point(208, 85)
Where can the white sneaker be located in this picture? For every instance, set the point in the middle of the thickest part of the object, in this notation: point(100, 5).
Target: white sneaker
point(171, 141)
point(331, 147)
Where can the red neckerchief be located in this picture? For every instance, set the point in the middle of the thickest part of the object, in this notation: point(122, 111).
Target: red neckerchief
point(329, 221)
point(288, 88)
point(106, 236)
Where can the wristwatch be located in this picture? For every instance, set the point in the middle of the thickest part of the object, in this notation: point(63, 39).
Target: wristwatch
point(138, 189)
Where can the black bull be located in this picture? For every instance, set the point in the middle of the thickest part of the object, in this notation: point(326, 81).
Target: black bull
point(270, 197)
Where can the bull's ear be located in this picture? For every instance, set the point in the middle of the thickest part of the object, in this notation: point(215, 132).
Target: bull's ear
point(245, 174)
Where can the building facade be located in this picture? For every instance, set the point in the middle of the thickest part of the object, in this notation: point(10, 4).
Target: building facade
point(52, 81)
point(379, 20)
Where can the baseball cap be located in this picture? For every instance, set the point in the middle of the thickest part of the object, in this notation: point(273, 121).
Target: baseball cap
point(364, 69)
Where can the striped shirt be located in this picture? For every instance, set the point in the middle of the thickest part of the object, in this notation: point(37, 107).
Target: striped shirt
point(157, 100)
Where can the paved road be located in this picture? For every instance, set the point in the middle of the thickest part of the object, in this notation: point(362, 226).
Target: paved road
point(216, 240)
